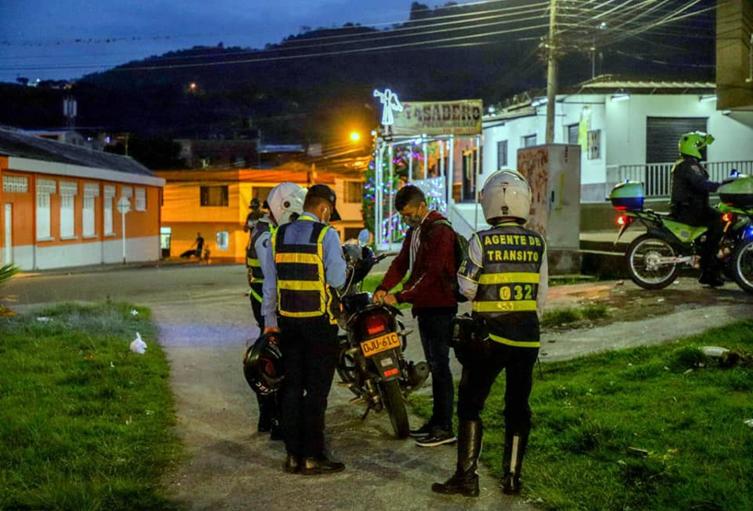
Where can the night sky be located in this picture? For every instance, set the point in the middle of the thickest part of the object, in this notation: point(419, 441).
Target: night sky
point(42, 34)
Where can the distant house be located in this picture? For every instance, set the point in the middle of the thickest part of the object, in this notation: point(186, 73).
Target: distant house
point(214, 202)
point(626, 129)
point(59, 205)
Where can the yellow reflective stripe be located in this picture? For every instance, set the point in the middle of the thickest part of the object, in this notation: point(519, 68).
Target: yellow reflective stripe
point(511, 306)
point(517, 344)
point(327, 302)
point(255, 295)
point(253, 263)
point(296, 257)
point(310, 314)
point(300, 285)
point(509, 278)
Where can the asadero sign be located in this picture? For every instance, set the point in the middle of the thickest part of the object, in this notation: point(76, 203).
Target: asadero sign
point(439, 118)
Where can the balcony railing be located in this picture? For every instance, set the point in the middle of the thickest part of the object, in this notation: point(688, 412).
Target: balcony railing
point(657, 177)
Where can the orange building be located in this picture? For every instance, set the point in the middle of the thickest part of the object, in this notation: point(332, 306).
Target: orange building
point(59, 205)
point(214, 203)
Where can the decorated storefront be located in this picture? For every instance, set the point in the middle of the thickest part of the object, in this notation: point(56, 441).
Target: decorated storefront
point(433, 145)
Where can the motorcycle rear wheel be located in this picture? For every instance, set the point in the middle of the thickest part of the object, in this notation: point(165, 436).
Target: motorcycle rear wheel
point(394, 403)
point(641, 259)
point(742, 266)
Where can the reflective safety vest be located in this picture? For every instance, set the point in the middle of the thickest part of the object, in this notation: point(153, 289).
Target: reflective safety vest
point(255, 275)
point(508, 284)
point(302, 290)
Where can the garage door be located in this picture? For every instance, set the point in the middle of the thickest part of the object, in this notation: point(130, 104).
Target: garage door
point(663, 133)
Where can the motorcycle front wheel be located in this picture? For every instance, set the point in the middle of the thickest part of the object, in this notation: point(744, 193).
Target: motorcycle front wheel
point(394, 403)
point(742, 266)
point(644, 259)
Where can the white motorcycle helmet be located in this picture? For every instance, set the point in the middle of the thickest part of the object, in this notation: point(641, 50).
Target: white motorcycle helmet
point(285, 201)
point(506, 195)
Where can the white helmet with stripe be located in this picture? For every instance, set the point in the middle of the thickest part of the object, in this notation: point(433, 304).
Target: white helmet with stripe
point(286, 202)
point(506, 195)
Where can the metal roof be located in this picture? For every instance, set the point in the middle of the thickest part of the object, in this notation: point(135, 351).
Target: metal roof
point(17, 143)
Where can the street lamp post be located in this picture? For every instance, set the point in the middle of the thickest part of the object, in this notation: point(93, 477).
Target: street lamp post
point(124, 206)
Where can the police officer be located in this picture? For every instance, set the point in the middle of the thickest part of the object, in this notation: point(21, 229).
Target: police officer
point(505, 276)
point(308, 263)
point(691, 187)
point(284, 203)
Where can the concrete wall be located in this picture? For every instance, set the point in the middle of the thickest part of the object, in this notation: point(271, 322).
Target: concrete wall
point(734, 19)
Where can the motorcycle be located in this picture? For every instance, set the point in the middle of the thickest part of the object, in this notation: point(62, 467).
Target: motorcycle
point(371, 361)
point(654, 259)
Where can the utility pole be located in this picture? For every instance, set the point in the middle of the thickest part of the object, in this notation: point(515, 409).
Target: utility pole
point(551, 74)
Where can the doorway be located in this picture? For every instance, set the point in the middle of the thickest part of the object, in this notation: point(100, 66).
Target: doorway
point(8, 231)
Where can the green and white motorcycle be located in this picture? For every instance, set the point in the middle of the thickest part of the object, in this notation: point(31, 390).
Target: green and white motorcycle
point(655, 258)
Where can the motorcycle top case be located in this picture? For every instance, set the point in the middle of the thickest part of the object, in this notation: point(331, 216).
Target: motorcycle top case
point(738, 193)
point(627, 196)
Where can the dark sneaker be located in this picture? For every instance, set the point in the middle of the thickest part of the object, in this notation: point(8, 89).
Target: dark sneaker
point(436, 437)
point(711, 280)
point(292, 464)
point(320, 465)
point(424, 430)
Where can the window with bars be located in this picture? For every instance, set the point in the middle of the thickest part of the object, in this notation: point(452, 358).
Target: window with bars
point(353, 192)
point(501, 154)
point(15, 184)
point(107, 210)
point(67, 216)
point(88, 217)
point(45, 188)
point(214, 195)
point(140, 199)
point(594, 144)
point(573, 133)
point(43, 215)
point(91, 192)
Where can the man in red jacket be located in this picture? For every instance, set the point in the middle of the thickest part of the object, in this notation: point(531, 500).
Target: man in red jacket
point(428, 257)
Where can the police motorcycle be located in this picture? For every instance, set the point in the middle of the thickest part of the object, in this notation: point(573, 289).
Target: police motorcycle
point(655, 258)
point(371, 361)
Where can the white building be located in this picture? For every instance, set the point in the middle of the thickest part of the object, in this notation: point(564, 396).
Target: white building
point(626, 129)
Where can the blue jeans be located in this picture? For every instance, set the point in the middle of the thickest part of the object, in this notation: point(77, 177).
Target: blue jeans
point(435, 330)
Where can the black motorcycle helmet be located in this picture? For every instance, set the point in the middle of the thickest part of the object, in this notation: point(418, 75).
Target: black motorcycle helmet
point(263, 364)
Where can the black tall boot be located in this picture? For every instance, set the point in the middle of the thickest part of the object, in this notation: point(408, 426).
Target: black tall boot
point(512, 463)
point(465, 479)
point(265, 413)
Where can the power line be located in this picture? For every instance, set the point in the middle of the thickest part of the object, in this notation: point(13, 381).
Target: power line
point(365, 37)
point(415, 44)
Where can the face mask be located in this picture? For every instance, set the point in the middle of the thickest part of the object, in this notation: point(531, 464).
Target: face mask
point(412, 220)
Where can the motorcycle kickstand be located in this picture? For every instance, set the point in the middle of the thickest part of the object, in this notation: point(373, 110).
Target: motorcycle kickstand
point(366, 413)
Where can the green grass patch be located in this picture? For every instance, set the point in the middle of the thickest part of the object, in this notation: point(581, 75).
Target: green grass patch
point(568, 316)
point(84, 423)
point(659, 428)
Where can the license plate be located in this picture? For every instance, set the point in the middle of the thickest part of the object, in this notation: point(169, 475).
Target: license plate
point(380, 344)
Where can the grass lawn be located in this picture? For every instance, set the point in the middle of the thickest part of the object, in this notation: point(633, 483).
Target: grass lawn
point(645, 428)
point(84, 423)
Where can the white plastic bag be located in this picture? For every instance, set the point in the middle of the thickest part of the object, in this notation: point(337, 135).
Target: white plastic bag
point(138, 345)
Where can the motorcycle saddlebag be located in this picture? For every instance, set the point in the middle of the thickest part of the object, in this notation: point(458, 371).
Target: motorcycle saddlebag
point(627, 196)
point(738, 193)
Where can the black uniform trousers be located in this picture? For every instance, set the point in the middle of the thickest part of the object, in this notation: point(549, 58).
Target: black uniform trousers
point(269, 413)
point(256, 305)
point(310, 350)
point(482, 363)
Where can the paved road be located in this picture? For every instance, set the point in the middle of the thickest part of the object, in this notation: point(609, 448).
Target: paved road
point(205, 322)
